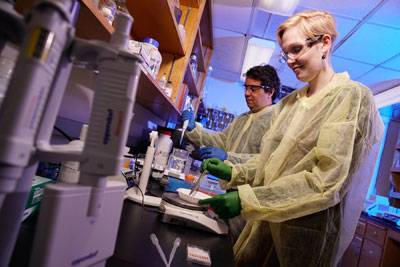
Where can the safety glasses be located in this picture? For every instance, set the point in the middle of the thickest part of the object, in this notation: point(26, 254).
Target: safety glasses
point(298, 50)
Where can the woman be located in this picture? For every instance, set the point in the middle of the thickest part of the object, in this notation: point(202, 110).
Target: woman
point(302, 196)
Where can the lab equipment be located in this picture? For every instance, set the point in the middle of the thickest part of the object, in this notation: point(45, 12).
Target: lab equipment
point(138, 194)
point(121, 6)
point(155, 242)
point(196, 186)
point(198, 255)
point(30, 109)
point(193, 197)
point(69, 172)
point(177, 160)
point(168, 89)
point(150, 46)
point(108, 9)
point(163, 81)
point(193, 65)
point(296, 191)
point(241, 139)
point(177, 242)
point(10, 39)
point(163, 148)
point(178, 211)
point(188, 118)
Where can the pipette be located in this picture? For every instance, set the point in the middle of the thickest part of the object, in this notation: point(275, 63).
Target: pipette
point(188, 106)
point(155, 242)
point(198, 182)
point(177, 242)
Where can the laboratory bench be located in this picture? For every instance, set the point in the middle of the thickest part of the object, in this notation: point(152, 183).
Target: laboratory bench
point(134, 247)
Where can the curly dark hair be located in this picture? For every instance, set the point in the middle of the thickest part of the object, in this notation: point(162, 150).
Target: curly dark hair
point(267, 75)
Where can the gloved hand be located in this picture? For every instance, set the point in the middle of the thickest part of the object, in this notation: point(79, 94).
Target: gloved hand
point(217, 168)
point(212, 152)
point(225, 205)
point(188, 115)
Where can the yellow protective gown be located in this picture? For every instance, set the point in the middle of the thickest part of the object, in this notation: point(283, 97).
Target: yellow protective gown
point(241, 139)
point(311, 177)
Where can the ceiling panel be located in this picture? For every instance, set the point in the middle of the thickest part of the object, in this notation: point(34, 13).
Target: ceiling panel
point(388, 14)
point(344, 26)
point(225, 75)
point(259, 23)
point(228, 50)
point(393, 63)
point(274, 23)
point(233, 17)
point(365, 45)
point(377, 75)
point(355, 9)
point(355, 69)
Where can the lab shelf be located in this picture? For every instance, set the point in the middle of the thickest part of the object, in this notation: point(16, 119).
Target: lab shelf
point(206, 28)
point(395, 170)
point(198, 50)
point(155, 19)
point(191, 3)
point(91, 24)
point(151, 96)
point(190, 81)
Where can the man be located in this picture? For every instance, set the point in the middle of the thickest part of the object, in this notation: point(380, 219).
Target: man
point(242, 138)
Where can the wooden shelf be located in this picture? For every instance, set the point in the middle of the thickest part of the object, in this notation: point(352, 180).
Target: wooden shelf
point(155, 19)
point(191, 3)
point(198, 50)
point(395, 170)
point(190, 81)
point(151, 96)
point(206, 28)
point(91, 24)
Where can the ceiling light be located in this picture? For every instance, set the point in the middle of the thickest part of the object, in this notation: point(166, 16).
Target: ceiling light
point(258, 52)
point(279, 7)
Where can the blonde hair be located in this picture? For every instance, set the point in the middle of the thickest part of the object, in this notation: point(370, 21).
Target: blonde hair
point(312, 23)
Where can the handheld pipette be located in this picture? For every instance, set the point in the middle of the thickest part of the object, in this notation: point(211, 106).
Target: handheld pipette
point(188, 106)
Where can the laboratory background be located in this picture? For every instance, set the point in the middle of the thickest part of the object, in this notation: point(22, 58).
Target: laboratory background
point(96, 167)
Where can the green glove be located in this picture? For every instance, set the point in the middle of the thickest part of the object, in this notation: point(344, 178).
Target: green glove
point(217, 168)
point(225, 205)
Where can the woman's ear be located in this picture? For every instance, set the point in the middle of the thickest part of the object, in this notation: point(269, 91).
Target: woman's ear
point(326, 45)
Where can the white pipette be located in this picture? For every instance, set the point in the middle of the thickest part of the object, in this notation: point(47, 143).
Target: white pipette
point(155, 242)
point(188, 106)
point(177, 242)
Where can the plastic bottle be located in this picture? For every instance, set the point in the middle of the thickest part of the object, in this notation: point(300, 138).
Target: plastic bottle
point(151, 45)
point(163, 81)
point(168, 89)
point(107, 8)
point(193, 65)
point(69, 172)
point(121, 6)
point(163, 148)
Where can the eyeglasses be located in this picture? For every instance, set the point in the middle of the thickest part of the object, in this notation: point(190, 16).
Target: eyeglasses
point(299, 49)
point(254, 88)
